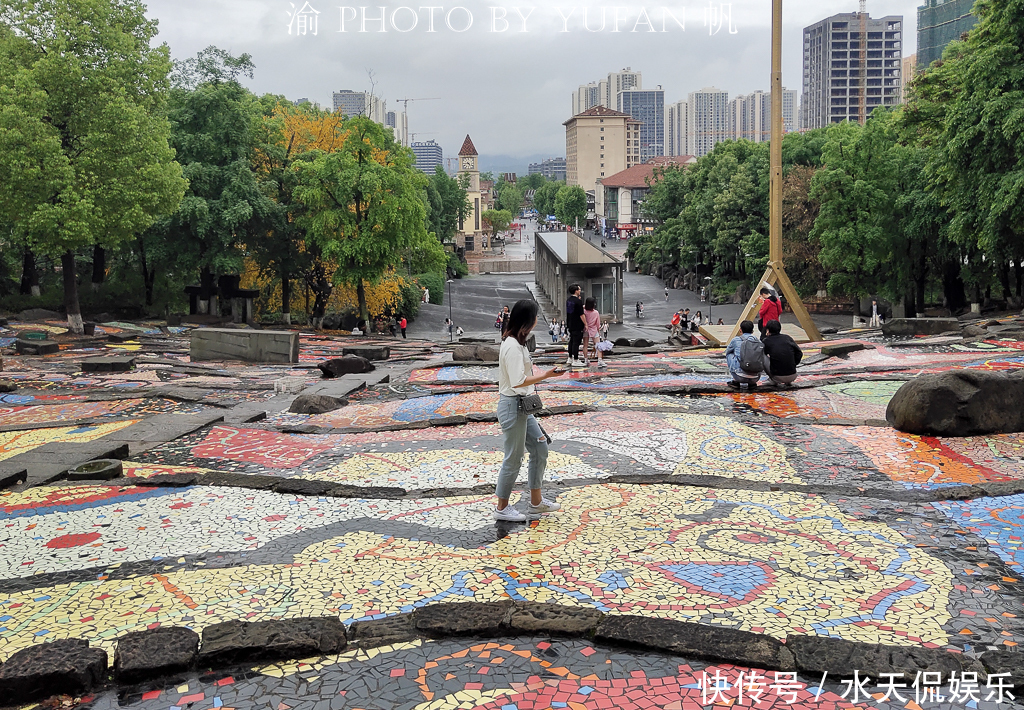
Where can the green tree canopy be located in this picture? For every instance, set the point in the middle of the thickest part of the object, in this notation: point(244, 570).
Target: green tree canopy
point(510, 197)
point(84, 155)
point(571, 205)
point(448, 204)
point(496, 220)
point(544, 199)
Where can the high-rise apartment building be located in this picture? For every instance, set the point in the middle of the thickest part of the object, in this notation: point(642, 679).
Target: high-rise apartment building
point(648, 107)
point(588, 96)
point(839, 79)
point(707, 120)
point(551, 168)
point(360, 103)
point(676, 128)
point(428, 155)
point(750, 116)
point(939, 22)
point(907, 75)
point(620, 81)
point(599, 142)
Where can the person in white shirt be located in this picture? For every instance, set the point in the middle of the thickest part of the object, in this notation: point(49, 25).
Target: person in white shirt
point(521, 431)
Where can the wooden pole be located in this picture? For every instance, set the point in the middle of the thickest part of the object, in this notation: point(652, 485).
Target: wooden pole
point(775, 273)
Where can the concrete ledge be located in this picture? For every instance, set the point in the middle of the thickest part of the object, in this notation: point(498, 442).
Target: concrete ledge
point(281, 346)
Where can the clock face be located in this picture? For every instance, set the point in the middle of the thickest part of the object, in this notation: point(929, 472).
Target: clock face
point(467, 163)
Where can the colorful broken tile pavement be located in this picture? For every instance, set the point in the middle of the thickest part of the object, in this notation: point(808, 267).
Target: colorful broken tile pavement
point(98, 566)
point(520, 674)
point(1000, 521)
point(849, 400)
point(18, 442)
point(123, 408)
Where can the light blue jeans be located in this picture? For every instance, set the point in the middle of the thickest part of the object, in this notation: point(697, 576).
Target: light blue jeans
point(522, 432)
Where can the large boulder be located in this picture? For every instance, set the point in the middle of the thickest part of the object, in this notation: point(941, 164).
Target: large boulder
point(144, 655)
point(62, 667)
point(32, 314)
point(959, 403)
point(348, 365)
point(974, 331)
point(919, 326)
point(475, 353)
point(316, 404)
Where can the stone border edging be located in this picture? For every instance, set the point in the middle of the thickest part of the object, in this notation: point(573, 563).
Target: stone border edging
point(332, 489)
point(70, 666)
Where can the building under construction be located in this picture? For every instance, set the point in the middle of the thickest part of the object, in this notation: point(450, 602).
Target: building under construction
point(852, 65)
point(939, 22)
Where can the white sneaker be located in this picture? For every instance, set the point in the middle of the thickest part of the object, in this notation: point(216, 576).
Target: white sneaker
point(545, 506)
point(602, 363)
point(508, 514)
point(578, 363)
point(568, 361)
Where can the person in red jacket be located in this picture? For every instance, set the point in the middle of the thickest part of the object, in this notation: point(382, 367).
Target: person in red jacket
point(771, 309)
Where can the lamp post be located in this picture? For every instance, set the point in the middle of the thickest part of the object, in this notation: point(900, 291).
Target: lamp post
point(451, 321)
point(707, 279)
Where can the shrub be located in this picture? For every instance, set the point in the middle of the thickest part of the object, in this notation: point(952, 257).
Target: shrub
point(433, 283)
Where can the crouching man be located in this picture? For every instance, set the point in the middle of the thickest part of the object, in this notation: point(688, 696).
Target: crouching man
point(745, 356)
point(782, 354)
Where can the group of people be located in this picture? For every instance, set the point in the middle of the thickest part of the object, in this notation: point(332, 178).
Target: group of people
point(452, 329)
point(682, 321)
point(392, 325)
point(583, 321)
point(774, 353)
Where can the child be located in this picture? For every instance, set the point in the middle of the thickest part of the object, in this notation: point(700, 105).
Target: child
point(593, 325)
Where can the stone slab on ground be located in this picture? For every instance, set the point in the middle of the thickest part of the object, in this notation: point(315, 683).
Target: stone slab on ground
point(316, 404)
point(123, 363)
point(51, 462)
point(710, 642)
point(242, 642)
point(543, 619)
point(62, 667)
point(838, 349)
point(36, 347)
point(462, 619)
point(11, 475)
point(1011, 662)
point(164, 651)
point(379, 632)
point(959, 403)
point(919, 326)
point(161, 428)
point(372, 353)
point(269, 346)
point(819, 654)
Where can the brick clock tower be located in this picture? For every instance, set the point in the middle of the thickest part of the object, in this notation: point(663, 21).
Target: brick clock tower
point(469, 166)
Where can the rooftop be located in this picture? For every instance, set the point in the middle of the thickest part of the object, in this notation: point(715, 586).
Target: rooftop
point(642, 175)
point(468, 148)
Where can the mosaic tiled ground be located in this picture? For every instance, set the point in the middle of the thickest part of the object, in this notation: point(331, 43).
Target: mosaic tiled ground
point(95, 561)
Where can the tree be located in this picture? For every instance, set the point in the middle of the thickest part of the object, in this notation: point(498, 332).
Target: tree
point(510, 197)
point(544, 198)
point(496, 220)
point(448, 203)
point(364, 209)
point(214, 133)
point(571, 205)
point(84, 154)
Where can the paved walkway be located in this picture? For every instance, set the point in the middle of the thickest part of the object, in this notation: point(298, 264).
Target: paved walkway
point(785, 514)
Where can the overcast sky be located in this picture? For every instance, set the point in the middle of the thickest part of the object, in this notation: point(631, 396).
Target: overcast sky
point(509, 89)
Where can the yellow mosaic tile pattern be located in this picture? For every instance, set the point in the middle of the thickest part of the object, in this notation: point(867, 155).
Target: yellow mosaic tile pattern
point(13, 443)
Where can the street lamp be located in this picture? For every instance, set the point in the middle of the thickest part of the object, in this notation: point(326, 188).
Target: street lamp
point(707, 279)
point(451, 321)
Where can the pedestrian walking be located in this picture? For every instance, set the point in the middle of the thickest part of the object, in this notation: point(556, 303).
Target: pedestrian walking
point(553, 331)
point(638, 309)
point(876, 319)
point(592, 320)
point(576, 323)
point(666, 294)
point(517, 387)
point(703, 293)
point(402, 323)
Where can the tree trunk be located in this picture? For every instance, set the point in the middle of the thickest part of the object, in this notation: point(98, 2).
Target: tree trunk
point(1004, 279)
point(1018, 270)
point(99, 266)
point(953, 287)
point(29, 274)
point(364, 312)
point(67, 262)
point(286, 298)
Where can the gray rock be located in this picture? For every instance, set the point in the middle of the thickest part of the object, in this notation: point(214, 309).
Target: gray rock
point(144, 655)
point(241, 642)
point(123, 363)
point(303, 487)
point(1011, 662)
point(457, 420)
point(475, 353)
point(31, 314)
point(919, 326)
point(36, 347)
point(552, 619)
point(64, 667)
point(819, 654)
point(959, 403)
point(7, 386)
point(642, 343)
point(124, 337)
point(828, 330)
point(837, 349)
point(316, 404)
point(381, 632)
point(622, 342)
point(370, 352)
point(974, 331)
point(98, 470)
point(462, 619)
point(697, 641)
point(348, 365)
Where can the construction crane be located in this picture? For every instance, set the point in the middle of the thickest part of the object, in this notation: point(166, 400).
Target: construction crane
point(863, 62)
point(404, 127)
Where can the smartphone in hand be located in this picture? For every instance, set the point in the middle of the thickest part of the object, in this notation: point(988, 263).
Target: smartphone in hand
point(558, 370)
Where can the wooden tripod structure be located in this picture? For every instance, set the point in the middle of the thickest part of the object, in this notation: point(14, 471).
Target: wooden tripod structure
point(775, 274)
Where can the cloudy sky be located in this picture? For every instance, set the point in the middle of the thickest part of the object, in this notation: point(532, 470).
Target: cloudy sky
point(510, 89)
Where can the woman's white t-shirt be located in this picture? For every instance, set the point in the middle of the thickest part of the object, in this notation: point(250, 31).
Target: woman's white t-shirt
point(514, 366)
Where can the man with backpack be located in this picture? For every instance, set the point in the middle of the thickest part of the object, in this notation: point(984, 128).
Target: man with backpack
point(745, 356)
